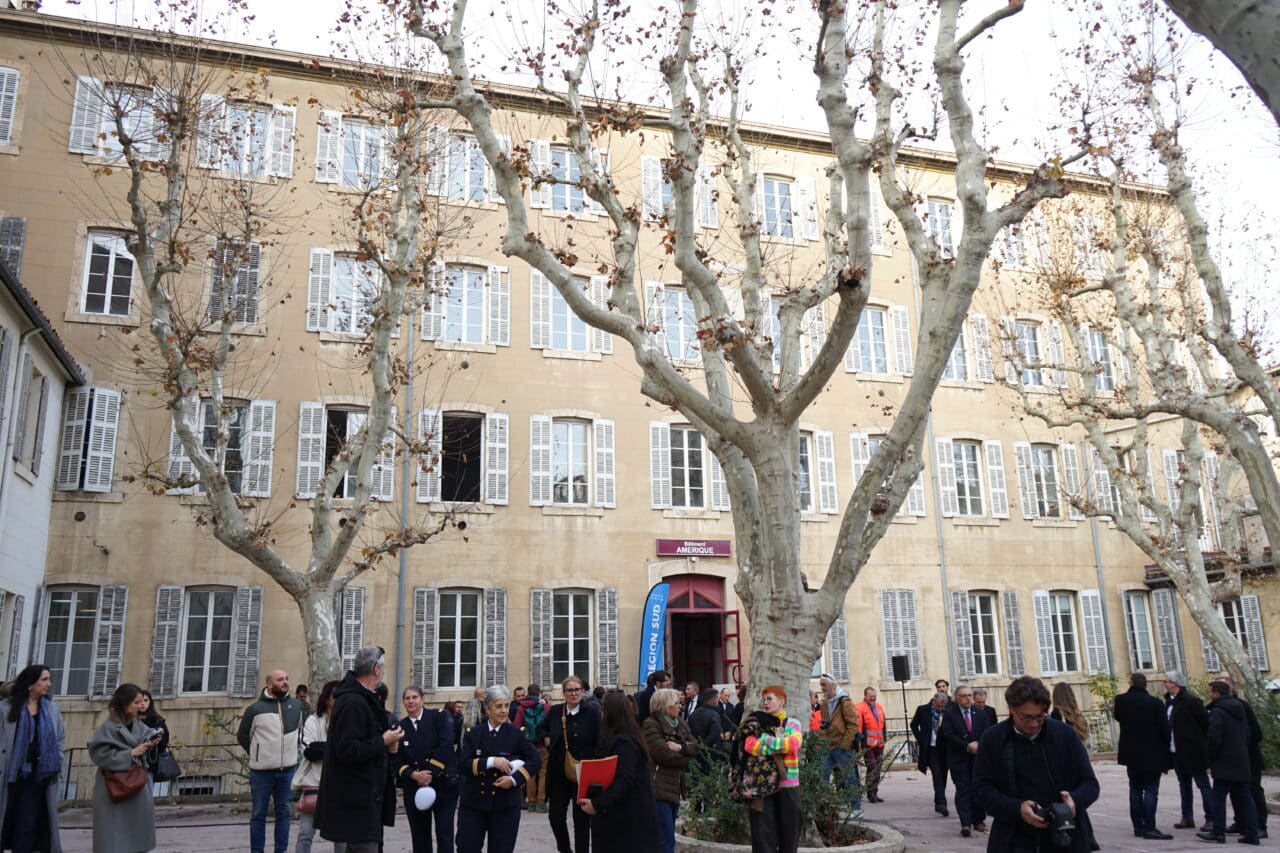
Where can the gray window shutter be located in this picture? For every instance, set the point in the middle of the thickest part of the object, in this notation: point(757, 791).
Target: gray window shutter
point(651, 187)
point(108, 646)
point(496, 452)
point(1071, 479)
point(981, 334)
point(319, 290)
point(601, 341)
point(352, 615)
point(211, 131)
point(262, 440)
point(659, 465)
point(1026, 480)
point(15, 636)
point(500, 306)
point(540, 462)
point(13, 232)
point(6, 350)
point(8, 103)
point(1253, 632)
point(606, 469)
point(181, 468)
point(1212, 665)
point(1044, 632)
point(383, 470)
point(825, 452)
point(540, 636)
point(838, 649)
point(945, 462)
point(911, 632)
point(42, 408)
point(425, 607)
point(433, 304)
point(86, 117)
point(995, 479)
point(329, 147)
point(311, 424)
point(539, 309)
point(495, 636)
point(607, 637)
point(890, 624)
point(904, 361)
point(430, 431)
point(284, 118)
point(719, 485)
point(962, 631)
point(165, 637)
point(104, 426)
point(246, 634)
point(24, 397)
point(1013, 633)
point(1095, 632)
point(1168, 633)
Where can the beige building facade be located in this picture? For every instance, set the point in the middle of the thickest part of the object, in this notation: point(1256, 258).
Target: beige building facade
point(566, 477)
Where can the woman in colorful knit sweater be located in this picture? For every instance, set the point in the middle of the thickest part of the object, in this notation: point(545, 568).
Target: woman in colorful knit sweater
point(776, 828)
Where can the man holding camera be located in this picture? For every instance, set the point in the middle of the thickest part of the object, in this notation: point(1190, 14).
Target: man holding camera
point(1033, 776)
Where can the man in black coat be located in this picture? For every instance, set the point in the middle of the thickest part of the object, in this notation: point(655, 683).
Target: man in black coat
point(1188, 748)
point(1144, 752)
point(656, 681)
point(1026, 763)
point(1229, 763)
point(573, 725)
point(426, 758)
point(1256, 763)
point(931, 750)
point(962, 728)
point(706, 724)
point(356, 790)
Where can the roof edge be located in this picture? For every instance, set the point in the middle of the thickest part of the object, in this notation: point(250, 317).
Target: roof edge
point(27, 305)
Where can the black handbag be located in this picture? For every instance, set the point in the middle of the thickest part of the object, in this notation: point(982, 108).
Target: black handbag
point(166, 769)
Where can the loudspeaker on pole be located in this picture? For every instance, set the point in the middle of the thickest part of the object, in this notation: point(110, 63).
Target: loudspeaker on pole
point(901, 670)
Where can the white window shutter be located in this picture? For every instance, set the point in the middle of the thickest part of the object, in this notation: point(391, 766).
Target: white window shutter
point(311, 437)
point(284, 119)
point(601, 341)
point(1071, 479)
point(911, 632)
point(165, 642)
point(825, 451)
point(962, 633)
point(1101, 482)
point(1253, 634)
point(180, 466)
point(719, 485)
point(1013, 633)
point(806, 208)
point(541, 602)
point(980, 333)
point(211, 132)
point(707, 207)
point(540, 165)
point(904, 361)
point(1056, 354)
point(1168, 633)
point(1044, 632)
point(319, 290)
point(1123, 370)
point(815, 322)
point(539, 460)
point(24, 399)
point(600, 160)
point(659, 465)
point(108, 644)
point(75, 427)
point(606, 465)
point(352, 604)
point(496, 452)
point(1026, 480)
point(426, 604)
point(437, 158)
point(838, 649)
point(86, 116)
point(246, 636)
point(891, 627)
point(539, 310)
point(1095, 632)
point(383, 470)
point(1212, 665)
point(1148, 515)
point(651, 187)
point(915, 497)
point(757, 201)
point(8, 103)
point(388, 165)
point(262, 442)
point(430, 429)
point(1210, 509)
point(500, 306)
point(1011, 372)
point(433, 304)
point(494, 669)
point(15, 633)
point(42, 407)
point(1172, 479)
point(945, 461)
point(875, 223)
point(995, 479)
point(655, 313)
point(861, 450)
point(329, 147)
point(607, 637)
point(852, 354)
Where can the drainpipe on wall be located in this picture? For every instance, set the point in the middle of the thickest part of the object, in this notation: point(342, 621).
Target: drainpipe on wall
point(406, 472)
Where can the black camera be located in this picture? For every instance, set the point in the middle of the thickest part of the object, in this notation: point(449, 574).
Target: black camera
point(1061, 823)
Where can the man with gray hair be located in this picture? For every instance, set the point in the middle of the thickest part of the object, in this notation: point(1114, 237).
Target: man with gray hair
point(1188, 748)
point(357, 795)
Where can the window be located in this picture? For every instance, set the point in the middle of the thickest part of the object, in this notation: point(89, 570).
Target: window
point(464, 305)
point(1062, 621)
point(8, 103)
point(108, 275)
point(237, 414)
point(468, 305)
point(570, 635)
point(90, 424)
point(340, 426)
point(566, 194)
point(94, 114)
point(1012, 249)
point(982, 625)
point(939, 215)
point(870, 352)
point(467, 172)
point(1233, 615)
point(864, 447)
point(1026, 338)
point(679, 324)
point(70, 627)
point(323, 434)
point(206, 659)
point(1137, 620)
point(777, 193)
point(571, 462)
point(240, 265)
point(461, 441)
point(1243, 616)
point(1100, 355)
point(246, 140)
point(356, 286)
point(568, 330)
point(570, 478)
point(957, 368)
point(1044, 471)
point(813, 332)
point(33, 402)
point(466, 460)
point(458, 639)
point(872, 346)
point(804, 473)
point(968, 479)
point(361, 154)
point(13, 234)
point(246, 457)
point(657, 191)
point(554, 326)
point(901, 630)
point(688, 481)
point(245, 150)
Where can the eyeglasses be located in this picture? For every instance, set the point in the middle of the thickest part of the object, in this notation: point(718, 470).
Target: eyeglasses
point(573, 690)
point(1031, 718)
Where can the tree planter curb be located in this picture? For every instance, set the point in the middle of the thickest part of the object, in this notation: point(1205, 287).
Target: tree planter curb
point(890, 841)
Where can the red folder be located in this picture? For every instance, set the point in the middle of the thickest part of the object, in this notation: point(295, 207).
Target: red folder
point(596, 771)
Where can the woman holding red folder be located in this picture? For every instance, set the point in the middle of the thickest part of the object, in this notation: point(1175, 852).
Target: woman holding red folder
point(624, 816)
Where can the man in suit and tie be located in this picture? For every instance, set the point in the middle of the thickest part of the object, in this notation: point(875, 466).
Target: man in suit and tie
point(980, 702)
point(962, 728)
point(426, 759)
point(931, 749)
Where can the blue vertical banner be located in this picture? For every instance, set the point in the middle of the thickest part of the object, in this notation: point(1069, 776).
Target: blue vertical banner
point(653, 631)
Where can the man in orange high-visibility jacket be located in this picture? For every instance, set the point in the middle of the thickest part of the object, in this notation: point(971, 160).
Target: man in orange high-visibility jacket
point(871, 733)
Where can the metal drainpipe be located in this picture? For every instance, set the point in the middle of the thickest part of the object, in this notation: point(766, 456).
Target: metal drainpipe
point(937, 502)
point(405, 475)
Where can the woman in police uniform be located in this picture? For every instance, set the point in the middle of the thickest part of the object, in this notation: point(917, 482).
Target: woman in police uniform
point(491, 795)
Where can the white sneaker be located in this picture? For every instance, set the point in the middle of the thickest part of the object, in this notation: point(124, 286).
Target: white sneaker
point(856, 814)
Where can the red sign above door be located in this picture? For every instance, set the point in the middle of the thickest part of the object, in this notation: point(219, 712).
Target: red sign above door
point(694, 547)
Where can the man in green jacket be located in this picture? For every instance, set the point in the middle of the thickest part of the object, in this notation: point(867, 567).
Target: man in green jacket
point(269, 734)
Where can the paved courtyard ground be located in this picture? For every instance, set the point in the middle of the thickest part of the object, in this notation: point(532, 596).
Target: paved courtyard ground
point(909, 808)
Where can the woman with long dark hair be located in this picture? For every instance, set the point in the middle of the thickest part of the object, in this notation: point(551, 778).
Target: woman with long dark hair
point(315, 734)
point(151, 716)
point(624, 815)
point(1067, 710)
point(31, 737)
point(128, 826)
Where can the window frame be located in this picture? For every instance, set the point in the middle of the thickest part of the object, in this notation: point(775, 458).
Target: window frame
point(1048, 494)
point(572, 425)
point(1063, 655)
point(559, 312)
point(460, 156)
point(1100, 355)
point(1135, 636)
point(940, 213)
point(806, 468)
point(959, 357)
point(684, 332)
point(690, 436)
point(567, 194)
point(61, 672)
point(1026, 340)
point(259, 136)
point(964, 498)
point(784, 226)
point(873, 362)
point(986, 645)
point(562, 668)
point(212, 592)
point(117, 251)
point(458, 618)
point(473, 296)
point(365, 172)
point(352, 309)
point(241, 435)
point(1232, 612)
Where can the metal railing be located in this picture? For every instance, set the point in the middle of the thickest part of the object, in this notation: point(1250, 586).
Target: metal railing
point(209, 769)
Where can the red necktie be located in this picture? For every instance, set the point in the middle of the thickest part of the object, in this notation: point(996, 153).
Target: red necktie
point(968, 722)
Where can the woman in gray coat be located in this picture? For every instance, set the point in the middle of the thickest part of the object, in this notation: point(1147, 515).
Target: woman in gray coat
point(31, 740)
point(128, 826)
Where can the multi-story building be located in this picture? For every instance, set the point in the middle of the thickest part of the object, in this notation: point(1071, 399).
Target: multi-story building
point(578, 494)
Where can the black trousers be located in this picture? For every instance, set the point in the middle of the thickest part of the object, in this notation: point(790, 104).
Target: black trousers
point(967, 808)
point(776, 828)
point(501, 827)
point(938, 770)
point(563, 795)
point(1259, 799)
point(442, 814)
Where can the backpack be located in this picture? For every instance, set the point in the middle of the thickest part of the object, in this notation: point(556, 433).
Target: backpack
point(752, 777)
point(533, 717)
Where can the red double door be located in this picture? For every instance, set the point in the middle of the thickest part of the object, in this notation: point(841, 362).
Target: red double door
point(702, 637)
